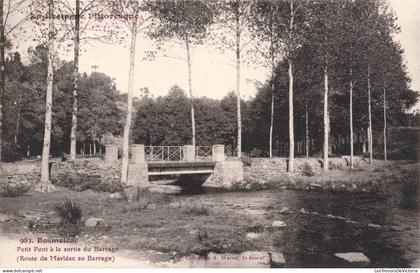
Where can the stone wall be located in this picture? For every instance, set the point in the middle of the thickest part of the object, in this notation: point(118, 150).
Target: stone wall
point(20, 171)
point(105, 171)
point(268, 168)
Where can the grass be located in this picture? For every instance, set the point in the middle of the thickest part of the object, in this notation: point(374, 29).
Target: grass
point(13, 190)
point(194, 209)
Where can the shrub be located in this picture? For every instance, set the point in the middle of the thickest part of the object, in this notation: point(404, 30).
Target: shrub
point(143, 195)
point(69, 213)
point(194, 209)
point(246, 161)
point(307, 170)
point(258, 228)
point(409, 190)
point(13, 189)
point(335, 166)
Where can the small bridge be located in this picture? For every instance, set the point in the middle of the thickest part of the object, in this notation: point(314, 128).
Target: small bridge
point(183, 161)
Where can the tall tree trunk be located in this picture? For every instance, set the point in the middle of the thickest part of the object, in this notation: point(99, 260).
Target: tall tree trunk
point(326, 120)
point(127, 126)
point(290, 72)
point(385, 126)
point(45, 184)
point(370, 134)
point(351, 120)
point(272, 86)
point(238, 85)
point(94, 147)
point(2, 71)
point(18, 116)
point(75, 82)
point(187, 47)
point(306, 129)
point(271, 120)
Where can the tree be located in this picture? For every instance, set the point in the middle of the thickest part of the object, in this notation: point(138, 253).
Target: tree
point(188, 22)
point(234, 16)
point(269, 24)
point(77, 32)
point(45, 184)
point(324, 37)
point(137, 22)
point(8, 9)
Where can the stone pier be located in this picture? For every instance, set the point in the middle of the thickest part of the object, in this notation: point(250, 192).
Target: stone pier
point(137, 169)
point(189, 153)
point(111, 153)
point(219, 153)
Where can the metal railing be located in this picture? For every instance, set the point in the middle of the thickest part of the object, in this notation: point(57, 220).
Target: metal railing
point(163, 153)
point(204, 153)
point(176, 153)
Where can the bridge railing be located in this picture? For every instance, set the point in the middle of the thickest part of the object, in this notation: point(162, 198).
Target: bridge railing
point(163, 153)
point(178, 153)
point(204, 153)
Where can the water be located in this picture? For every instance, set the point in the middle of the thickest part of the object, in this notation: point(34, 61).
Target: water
point(311, 240)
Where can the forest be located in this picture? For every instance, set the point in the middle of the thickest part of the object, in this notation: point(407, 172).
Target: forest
point(339, 83)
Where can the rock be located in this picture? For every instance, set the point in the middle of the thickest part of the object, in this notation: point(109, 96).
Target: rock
point(175, 205)
point(354, 258)
point(278, 224)
point(396, 228)
point(277, 259)
point(192, 232)
point(302, 210)
point(315, 186)
point(255, 211)
point(4, 217)
point(93, 222)
point(151, 206)
point(284, 210)
point(252, 235)
point(370, 225)
point(115, 196)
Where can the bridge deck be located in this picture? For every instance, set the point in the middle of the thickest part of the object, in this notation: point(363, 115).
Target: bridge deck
point(171, 168)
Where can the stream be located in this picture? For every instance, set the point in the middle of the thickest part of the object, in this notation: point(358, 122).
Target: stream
point(311, 239)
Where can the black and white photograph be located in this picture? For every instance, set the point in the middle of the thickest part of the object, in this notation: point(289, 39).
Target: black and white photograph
point(140, 134)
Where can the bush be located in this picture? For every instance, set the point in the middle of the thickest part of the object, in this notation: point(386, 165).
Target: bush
point(336, 166)
point(307, 170)
point(246, 161)
point(13, 189)
point(143, 195)
point(69, 213)
point(409, 190)
point(194, 209)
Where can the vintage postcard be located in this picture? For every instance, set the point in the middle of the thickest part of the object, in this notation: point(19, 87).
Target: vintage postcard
point(209, 134)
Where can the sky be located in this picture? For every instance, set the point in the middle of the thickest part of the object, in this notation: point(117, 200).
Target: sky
point(214, 73)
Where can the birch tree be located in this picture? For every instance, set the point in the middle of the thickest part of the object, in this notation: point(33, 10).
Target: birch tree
point(45, 184)
point(234, 20)
point(77, 31)
point(12, 18)
point(326, 26)
point(186, 22)
point(136, 19)
point(271, 27)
